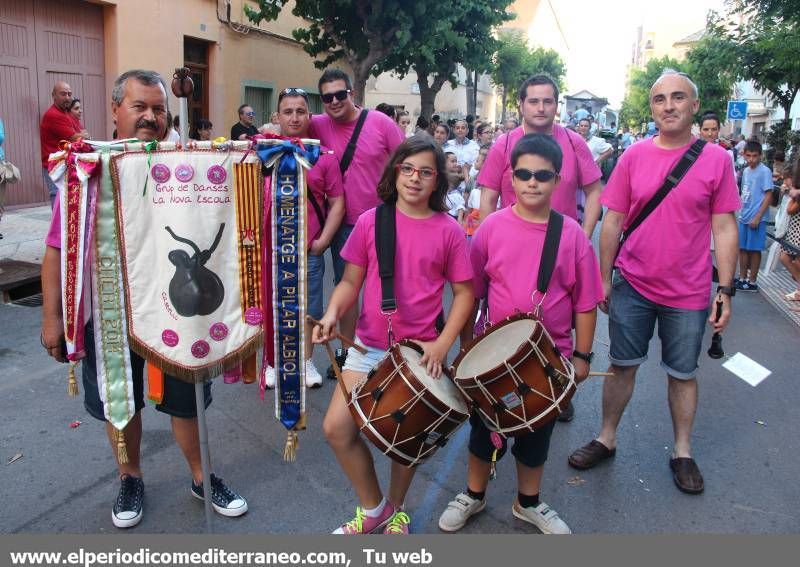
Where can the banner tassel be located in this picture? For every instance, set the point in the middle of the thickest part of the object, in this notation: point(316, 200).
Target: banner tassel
point(293, 440)
point(290, 449)
point(122, 449)
point(72, 385)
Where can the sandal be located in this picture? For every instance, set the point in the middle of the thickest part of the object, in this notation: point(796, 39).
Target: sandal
point(590, 455)
point(686, 475)
point(794, 296)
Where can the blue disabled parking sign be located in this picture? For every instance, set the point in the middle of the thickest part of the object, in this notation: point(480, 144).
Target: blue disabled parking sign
point(737, 109)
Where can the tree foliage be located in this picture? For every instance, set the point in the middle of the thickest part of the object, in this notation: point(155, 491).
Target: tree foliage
point(362, 32)
point(712, 66)
point(446, 34)
point(514, 62)
point(765, 37)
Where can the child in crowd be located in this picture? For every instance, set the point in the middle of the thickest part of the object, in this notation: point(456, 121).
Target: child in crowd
point(753, 217)
point(506, 277)
point(430, 250)
point(473, 193)
point(455, 188)
point(791, 242)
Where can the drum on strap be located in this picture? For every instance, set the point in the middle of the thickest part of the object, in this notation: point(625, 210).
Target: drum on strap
point(403, 411)
point(515, 376)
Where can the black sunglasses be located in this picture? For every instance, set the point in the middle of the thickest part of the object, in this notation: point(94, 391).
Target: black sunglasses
point(327, 98)
point(292, 91)
point(542, 175)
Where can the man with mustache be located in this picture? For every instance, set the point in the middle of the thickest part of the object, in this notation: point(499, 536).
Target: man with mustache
point(139, 110)
point(664, 269)
point(57, 125)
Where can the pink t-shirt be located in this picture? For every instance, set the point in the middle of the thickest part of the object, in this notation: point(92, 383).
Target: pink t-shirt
point(578, 169)
point(506, 272)
point(378, 139)
point(428, 253)
point(667, 259)
point(53, 237)
point(325, 181)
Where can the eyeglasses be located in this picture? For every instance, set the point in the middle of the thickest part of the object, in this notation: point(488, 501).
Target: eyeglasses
point(292, 91)
point(542, 176)
point(249, 113)
point(408, 170)
point(327, 98)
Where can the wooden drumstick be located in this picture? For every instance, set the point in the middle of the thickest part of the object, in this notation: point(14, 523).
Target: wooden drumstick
point(601, 373)
point(337, 371)
point(345, 341)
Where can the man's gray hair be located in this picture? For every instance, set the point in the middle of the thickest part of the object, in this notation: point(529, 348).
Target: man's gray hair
point(668, 71)
point(148, 78)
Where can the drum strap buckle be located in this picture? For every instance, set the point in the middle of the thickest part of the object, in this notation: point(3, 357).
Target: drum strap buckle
point(389, 330)
point(537, 306)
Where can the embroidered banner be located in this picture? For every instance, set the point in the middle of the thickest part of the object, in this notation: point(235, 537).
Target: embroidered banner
point(180, 259)
point(287, 191)
point(247, 178)
point(71, 170)
point(114, 374)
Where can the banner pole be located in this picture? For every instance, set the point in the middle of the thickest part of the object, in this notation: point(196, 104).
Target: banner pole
point(182, 87)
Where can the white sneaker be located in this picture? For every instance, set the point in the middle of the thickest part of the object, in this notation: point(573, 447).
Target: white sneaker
point(543, 517)
point(458, 511)
point(313, 377)
point(270, 378)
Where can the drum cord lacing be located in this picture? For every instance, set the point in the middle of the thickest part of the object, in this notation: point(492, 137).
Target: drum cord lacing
point(403, 409)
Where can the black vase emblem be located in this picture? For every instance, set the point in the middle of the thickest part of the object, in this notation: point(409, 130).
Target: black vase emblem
point(194, 289)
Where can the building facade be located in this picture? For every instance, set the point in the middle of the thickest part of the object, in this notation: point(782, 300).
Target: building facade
point(88, 44)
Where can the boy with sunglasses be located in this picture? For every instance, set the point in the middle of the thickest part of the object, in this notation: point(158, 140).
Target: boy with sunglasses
point(505, 274)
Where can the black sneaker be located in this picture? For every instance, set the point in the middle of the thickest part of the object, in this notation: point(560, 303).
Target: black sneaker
point(341, 358)
point(224, 500)
point(749, 286)
point(568, 414)
point(127, 510)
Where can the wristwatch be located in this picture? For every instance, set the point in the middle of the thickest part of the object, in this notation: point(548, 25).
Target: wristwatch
point(583, 355)
point(730, 291)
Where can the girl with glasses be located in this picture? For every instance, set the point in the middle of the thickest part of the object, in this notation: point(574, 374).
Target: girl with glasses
point(430, 251)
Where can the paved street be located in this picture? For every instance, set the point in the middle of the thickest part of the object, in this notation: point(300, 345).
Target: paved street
point(745, 442)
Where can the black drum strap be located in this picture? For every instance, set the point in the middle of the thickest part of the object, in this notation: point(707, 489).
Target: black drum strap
point(552, 238)
point(385, 235)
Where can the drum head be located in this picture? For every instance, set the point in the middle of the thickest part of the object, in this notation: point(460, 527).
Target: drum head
point(442, 388)
point(495, 347)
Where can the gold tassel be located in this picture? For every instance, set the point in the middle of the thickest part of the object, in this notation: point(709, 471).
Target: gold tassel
point(290, 449)
point(72, 386)
point(122, 450)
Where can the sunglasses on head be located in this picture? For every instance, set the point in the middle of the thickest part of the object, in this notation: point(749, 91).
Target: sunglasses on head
point(542, 175)
point(292, 91)
point(327, 98)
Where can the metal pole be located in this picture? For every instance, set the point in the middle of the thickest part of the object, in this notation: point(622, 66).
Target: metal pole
point(205, 460)
point(182, 87)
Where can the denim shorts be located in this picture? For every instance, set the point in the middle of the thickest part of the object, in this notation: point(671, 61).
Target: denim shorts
point(316, 272)
point(363, 363)
point(752, 239)
point(52, 188)
point(530, 449)
point(178, 401)
point(631, 322)
point(337, 244)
